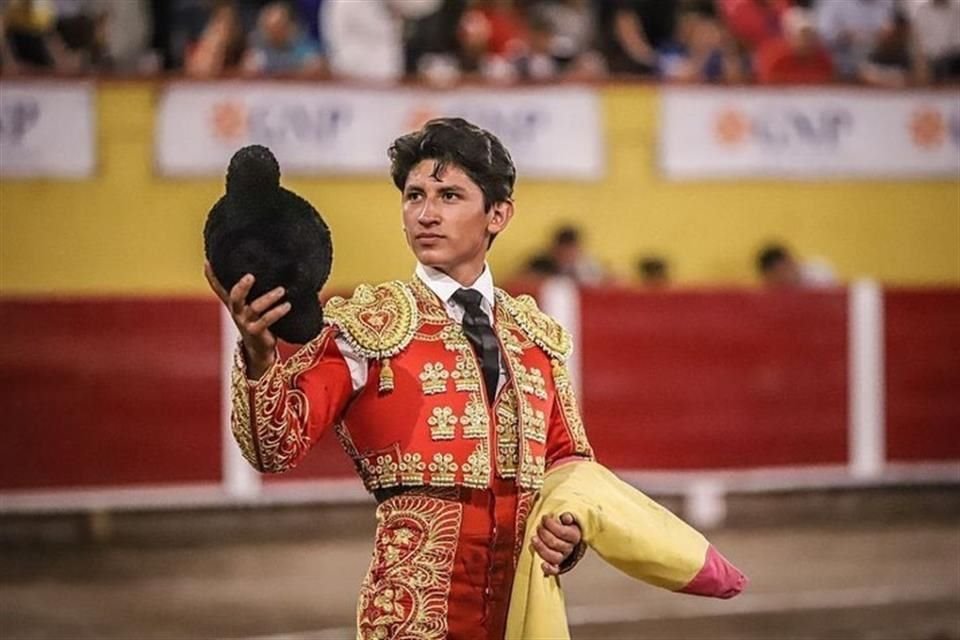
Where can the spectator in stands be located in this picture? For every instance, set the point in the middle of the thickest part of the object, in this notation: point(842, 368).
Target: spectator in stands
point(8, 61)
point(280, 47)
point(851, 30)
point(537, 269)
point(654, 272)
point(895, 59)
point(31, 40)
point(177, 23)
point(936, 29)
point(777, 267)
point(753, 22)
point(308, 15)
point(797, 57)
point(127, 27)
point(631, 31)
point(365, 39)
point(562, 33)
point(221, 46)
point(494, 40)
point(82, 29)
point(431, 43)
point(567, 257)
point(701, 51)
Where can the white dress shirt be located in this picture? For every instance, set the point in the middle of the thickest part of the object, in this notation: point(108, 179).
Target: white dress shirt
point(444, 287)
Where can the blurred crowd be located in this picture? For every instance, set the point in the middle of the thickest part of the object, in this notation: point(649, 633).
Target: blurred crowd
point(566, 256)
point(891, 43)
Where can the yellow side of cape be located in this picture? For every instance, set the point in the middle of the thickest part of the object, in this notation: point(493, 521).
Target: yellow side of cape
point(626, 528)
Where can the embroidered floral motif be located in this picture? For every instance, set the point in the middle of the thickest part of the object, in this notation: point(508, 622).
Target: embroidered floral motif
point(434, 378)
point(386, 470)
point(475, 419)
point(405, 593)
point(442, 423)
point(506, 446)
point(531, 471)
point(453, 338)
point(476, 470)
point(443, 469)
point(411, 469)
point(466, 375)
point(534, 423)
point(536, 382)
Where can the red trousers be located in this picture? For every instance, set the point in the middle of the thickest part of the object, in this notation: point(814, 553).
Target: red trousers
point(443, 563)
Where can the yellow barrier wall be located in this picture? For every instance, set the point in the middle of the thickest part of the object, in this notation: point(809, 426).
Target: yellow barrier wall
point(127, 231)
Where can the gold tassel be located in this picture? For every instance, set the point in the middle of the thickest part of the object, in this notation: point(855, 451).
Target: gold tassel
point(386, 376)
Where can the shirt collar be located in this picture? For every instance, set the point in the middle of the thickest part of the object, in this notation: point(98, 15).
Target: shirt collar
point(445, 286)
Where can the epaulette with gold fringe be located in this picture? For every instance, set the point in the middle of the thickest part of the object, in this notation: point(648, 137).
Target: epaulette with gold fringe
point(540, 328)
point(378, 322)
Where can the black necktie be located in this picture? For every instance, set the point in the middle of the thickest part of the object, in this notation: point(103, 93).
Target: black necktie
point(476, 326)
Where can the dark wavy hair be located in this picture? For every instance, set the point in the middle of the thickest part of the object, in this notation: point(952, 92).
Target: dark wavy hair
point(455, 141)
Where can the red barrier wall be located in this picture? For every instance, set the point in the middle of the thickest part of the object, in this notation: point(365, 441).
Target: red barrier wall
point(922, 348)
point(126, 391)
point(703, 380)
point(109, 392)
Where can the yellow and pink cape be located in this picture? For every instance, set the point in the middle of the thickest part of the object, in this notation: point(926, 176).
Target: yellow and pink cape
point(625, 528)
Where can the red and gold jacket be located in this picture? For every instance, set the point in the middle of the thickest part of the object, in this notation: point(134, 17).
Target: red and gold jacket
point(423, 417)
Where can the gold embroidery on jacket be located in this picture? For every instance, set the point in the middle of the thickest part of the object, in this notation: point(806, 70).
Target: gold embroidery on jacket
point(536, 382)
point(476, 470)
point(406, 590)
point(543, 330)
point(475, 419)
point(506, 447)
point(430, 308)
point(443, 469)
point(386, 470)
point(534, 424)
point(466, 375)
point(434, 378)
point(442, 423)
point(240, 423)
point(411, 469)
point(273, 437)
point(570, 409)
point(525, 502)
point(531, 470)
point(378, 322)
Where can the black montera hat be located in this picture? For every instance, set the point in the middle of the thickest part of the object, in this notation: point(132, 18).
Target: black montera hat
point(261, 228)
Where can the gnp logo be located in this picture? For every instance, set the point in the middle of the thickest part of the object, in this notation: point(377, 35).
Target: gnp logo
point(17, 118)
point(513, 125)
point(930, 128)
point(234, 122)
point(782, 127)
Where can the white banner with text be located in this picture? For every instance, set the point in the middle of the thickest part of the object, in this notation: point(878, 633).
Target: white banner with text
point(47, 130)
point(809, 133)
point(553, 132)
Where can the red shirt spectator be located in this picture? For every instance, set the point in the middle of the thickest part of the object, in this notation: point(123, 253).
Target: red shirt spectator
point(752, 22)
point(779, 63)
point(797, 57)
point(508, 33)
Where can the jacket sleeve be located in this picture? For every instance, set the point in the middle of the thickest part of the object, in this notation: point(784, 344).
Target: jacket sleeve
point(566, 438)
point(566, 435)
point(278, 418)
